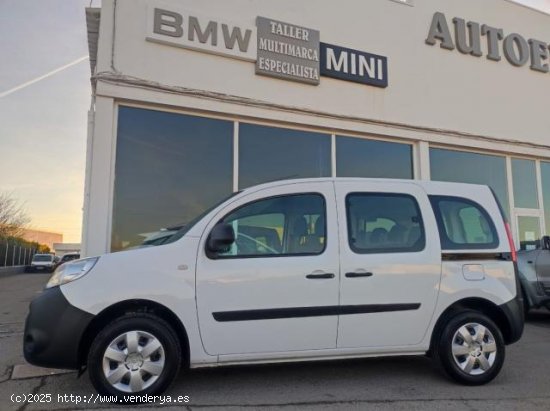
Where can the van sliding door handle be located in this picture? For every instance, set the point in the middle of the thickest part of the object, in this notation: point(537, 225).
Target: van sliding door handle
point(319, 276)
point(359, 274)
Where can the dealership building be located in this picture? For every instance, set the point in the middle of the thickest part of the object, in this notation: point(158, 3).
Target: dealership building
point(193, 100)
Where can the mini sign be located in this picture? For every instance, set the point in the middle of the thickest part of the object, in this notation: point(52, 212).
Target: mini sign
point(354, 65)
point(287, 51)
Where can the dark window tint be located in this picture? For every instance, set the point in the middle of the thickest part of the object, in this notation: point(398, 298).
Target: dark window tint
point(463, 224)
point(524, 179)
point(272, 153)
point(357, 157)
point(169, 168)
point(285, 225)
point(384, 223)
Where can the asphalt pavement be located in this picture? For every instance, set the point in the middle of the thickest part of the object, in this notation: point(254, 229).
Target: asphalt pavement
point(404, 383)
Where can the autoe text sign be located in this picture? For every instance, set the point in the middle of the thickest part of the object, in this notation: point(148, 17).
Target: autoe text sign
point(468, 38)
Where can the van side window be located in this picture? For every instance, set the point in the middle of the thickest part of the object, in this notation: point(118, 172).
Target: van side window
point(463, 224)
point(278, 226)
point(384, 223)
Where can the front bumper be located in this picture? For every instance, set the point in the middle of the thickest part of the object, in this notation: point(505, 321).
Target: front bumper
point(41, 268)
point(53, 331)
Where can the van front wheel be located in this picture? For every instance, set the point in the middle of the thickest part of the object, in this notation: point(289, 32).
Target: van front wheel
point(137, 354)
point(471, 348)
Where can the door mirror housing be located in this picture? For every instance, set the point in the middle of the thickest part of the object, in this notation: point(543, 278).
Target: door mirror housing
point(221, 238)
point(546, 242)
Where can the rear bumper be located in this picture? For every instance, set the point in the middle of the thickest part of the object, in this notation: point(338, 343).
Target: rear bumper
point(53, 331)
point(513, 311)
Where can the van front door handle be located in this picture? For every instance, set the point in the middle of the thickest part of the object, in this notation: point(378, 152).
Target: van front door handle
point(319, 276)
point(358, 274)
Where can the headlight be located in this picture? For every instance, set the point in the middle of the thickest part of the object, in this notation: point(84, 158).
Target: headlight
point(71, 271)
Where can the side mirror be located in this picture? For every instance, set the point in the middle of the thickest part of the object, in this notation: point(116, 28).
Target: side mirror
point(220, 239)
point(546, 242)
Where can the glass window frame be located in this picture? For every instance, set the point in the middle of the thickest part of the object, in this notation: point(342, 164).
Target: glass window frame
point(344, 138)
point(214, 256)
point(517, 161)
point(506, 200)
point(325, 138)
point(122, 105)
point(446, 242)
point(355, 250)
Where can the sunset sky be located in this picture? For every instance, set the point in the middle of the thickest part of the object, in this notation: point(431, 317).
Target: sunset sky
point(43, 123)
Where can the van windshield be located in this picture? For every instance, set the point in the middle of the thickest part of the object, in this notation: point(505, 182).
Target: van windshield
point(172, 234)
point(42, 258)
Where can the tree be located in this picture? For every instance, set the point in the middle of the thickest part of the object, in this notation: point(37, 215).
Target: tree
point(13, 217)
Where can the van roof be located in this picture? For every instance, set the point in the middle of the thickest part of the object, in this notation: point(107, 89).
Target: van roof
point(431, 187)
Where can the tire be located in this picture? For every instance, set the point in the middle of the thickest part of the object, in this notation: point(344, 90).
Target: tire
point(137, 374)
point(474, 363)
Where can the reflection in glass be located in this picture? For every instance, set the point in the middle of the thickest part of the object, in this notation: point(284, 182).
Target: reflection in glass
point(545, 174)
point(474, 168)
point(384, 223)
point(272, 153)
point(285, 225)
point(529, 232)
point(356, 157)
point(525, 183)
point(169, 168)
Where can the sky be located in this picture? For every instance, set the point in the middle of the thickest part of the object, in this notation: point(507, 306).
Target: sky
point(43, 125)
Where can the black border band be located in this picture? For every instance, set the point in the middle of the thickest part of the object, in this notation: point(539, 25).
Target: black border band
point(301, 312)
point(445, 256)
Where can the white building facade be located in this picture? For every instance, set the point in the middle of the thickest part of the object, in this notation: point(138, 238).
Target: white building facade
point(193, 100)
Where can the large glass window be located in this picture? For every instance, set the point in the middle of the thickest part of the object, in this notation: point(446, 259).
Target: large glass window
point(525, 183)
point(169, 168)
point(529, 232)
point(545, 174)
point(384, 223)
point(285, 225)
point(357, 157)
point(272, 153)
point(474, 168)
point(463, 224)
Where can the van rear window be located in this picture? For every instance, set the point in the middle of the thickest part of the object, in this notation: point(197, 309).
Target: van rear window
point(463, 224)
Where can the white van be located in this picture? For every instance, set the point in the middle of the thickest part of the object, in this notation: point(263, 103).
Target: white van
point(294, 270)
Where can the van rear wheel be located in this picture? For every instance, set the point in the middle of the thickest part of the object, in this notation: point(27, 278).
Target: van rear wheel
point(471, 348)
point(137, 354)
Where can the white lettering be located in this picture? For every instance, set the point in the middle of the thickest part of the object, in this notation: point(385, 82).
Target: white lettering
point(368, 66)
point(341, 64)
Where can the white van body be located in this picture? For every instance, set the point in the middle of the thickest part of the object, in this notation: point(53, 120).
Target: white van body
point(337, 303)
point(42, 262)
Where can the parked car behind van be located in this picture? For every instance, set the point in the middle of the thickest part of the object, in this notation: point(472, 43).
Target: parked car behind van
point(68, 257)
point(293, 270)
point(534, 274)
point(42, 263)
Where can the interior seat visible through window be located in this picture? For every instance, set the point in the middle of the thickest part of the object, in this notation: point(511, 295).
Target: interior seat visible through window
point(284, 225)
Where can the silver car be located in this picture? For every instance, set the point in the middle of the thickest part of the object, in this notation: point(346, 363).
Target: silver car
point(534, 274)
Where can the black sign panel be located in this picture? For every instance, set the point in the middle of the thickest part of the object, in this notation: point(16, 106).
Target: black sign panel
point(354, 65)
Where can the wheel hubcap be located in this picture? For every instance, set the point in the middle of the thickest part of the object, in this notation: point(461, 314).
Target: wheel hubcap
point(474, 348)
point(133, 361)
